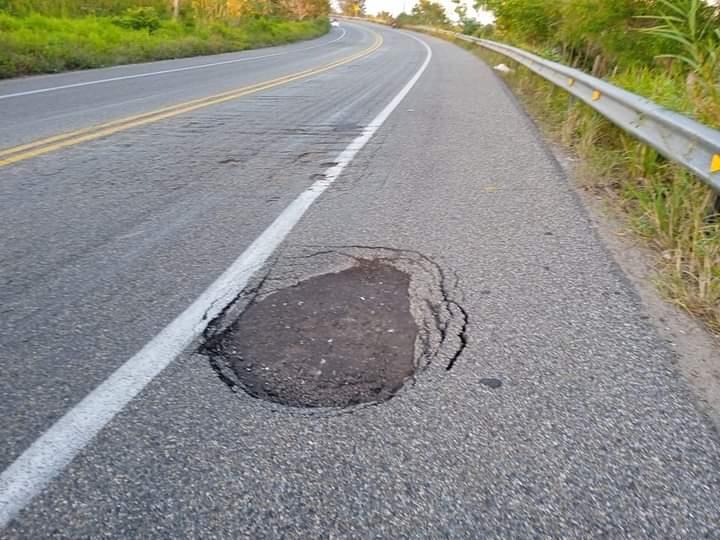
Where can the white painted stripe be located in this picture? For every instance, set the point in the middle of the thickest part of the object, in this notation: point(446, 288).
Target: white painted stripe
point(57, 447)
point(164, 71)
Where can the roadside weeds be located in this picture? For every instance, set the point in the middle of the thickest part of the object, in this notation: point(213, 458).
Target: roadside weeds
point(42, 44)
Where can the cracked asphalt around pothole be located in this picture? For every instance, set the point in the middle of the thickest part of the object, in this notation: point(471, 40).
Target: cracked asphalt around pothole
point(562, 413)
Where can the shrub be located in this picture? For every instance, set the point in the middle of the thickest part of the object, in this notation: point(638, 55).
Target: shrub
point(140, 18)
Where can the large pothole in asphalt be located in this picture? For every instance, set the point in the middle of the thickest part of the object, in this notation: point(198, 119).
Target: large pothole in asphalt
point(331, 341)
point(354, 335)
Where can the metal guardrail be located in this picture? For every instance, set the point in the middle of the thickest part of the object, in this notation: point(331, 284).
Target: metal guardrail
point(673, 135)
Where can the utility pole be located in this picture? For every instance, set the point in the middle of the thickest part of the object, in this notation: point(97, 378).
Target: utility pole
point(176, 9)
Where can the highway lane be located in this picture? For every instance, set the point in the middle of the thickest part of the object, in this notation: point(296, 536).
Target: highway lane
point(40, 106)
point(112, 204)
point(104, 243)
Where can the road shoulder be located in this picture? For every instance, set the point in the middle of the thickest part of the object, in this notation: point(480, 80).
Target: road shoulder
point(697, 349)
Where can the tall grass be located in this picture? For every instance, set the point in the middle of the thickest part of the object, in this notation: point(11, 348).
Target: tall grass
point(692, 26)
point(42, 44)
point(76, 8)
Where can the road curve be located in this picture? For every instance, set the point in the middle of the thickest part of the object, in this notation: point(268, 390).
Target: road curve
point(561, 416)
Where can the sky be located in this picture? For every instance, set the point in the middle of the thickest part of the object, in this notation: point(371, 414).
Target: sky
point(397, 6)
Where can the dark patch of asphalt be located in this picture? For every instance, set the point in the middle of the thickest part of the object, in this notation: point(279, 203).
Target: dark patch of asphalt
point(334, 340)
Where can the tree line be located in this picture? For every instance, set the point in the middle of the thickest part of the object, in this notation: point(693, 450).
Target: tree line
point(601, 34)
point(202, 9)
point(293, 9)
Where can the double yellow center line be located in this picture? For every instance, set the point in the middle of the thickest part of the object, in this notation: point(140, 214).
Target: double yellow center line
point(71, 138)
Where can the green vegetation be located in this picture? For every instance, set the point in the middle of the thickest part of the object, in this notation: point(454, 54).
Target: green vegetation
point(352, 8)
point(46, 36)
point(79, 8)
point(425, 13)
point(666, 50)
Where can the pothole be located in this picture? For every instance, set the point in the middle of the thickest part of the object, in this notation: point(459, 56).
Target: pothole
point(331, 341)
point(358, 333)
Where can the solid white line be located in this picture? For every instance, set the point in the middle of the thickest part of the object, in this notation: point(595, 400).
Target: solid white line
point(164, 71)
point(57, 447)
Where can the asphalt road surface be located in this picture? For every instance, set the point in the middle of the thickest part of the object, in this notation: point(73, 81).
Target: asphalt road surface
point(545, 402)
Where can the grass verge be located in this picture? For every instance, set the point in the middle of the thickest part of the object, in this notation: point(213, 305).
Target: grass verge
point(41, 44)
point(664, 204)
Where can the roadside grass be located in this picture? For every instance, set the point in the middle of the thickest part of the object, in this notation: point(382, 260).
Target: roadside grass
point(664, 204)
point(41, 44)
point(79, 8)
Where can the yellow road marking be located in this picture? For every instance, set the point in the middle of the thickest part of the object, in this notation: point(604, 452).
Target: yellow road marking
point(121, 121)
point(63, 140)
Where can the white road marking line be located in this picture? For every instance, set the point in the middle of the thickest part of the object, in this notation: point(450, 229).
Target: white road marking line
point(164, 71)
point(55, 449)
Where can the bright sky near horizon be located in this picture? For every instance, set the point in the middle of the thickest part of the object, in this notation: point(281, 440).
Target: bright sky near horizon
point(397, 6)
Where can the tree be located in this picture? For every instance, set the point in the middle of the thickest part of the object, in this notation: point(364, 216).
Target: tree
point(460, 9)
point(404, 19)
point(291, 9)
point(532, 21)
point(429, 13)
point(591, 34)
point(354, 8)
point(303, 9)
point(468, 24)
